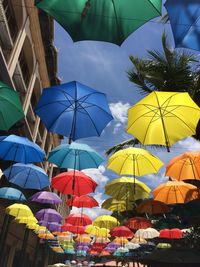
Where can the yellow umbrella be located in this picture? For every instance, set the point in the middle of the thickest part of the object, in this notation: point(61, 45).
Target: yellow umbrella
point(32, 226)
point(97, 231)
point(106, 221)
point(123, 189)
point(40, 229)
point(26, 220)
point(174, 192)
point(19, 210)
point(117, 205)
point(163, 118)
point(83, 238)
point(134, 161)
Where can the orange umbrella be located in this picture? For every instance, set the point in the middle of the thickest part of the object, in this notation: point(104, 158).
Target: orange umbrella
point(138, 223)
point(173, 192)
point(185, 166)
point(151, 206)
point(120, 240)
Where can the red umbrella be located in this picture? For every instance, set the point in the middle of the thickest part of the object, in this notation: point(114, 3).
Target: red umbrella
point(79, 219)
point(138, 223)
point(73, 228)
point(73, 183)
point(122, 231)
point(104, 253)
point(171, 233)
point(82, 202)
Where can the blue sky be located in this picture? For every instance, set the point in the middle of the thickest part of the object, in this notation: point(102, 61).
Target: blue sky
point(103, 66)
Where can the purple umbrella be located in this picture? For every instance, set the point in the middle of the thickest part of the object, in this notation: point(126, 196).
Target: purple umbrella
point(51, 226)
point(82, 247)
point(49, 215)
point(46, 197)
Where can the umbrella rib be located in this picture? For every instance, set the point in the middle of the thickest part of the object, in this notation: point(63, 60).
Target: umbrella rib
point(150, 162)
point(91, 158)
point(127, 156)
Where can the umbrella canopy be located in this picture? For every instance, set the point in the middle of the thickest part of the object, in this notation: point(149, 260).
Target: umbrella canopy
point(148, 233)
point(134, 161)
point(74, 110)
point(110, 21)
point(152, 207)
point(163, 245)
point(174, 233)
point(51, 226)
point(78, 219)
point(138, 223)
point(117, 205)
point(131, 245)
point(153, 119)
point(106, 221)
point(120, 240)
point(27, 176)
point(11, 194)
point(173, 192)
point(168, 223)
point(10, 109)
point(123, 189)
point(185, 166)
point(49, 215)
point(20, 149)
point(184, 18)
point(83, 238)
point(122, 231)
point(46, 197)
point(26, 220)
point(75, 156)
point(46, 236)
point(83, 201)
point(19, 210)
point(76, 229)
point(73, 183)
point(97, 231)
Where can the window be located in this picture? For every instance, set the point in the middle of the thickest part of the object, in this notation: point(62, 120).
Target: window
point(24, 68)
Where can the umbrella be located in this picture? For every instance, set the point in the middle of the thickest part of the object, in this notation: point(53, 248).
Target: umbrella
point(117, 205)
point(27, 176)
point(167, 223)
point(74, 110)
point(46, 236)
point(76, 229)
point(79, 219)
point(173, 192)
point(83, 201)
point(73, 183)
point(122, 231)
point(20, 149)
point(105, 221)
point(49, 215)
point(123, 189)
point(138, 223)
point(138, 240)
point(131, 245)
point(185, 166)
point(10, 109)
point(151, 207)
point(26, 220)
point(46, 197)
point(110, 21)
point(19, 210)
point(120, 240)
point(97, 231)
point(83, 238)
point(184, 18)
point(51, 226)
point(134, 161)
point(11, 194)
point(174, 233)
point(163, 245)
point(104, 253)
point(75, 156)
point(148, 233)
point(153, 119)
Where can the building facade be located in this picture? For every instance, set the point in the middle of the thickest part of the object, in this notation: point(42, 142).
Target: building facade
point(28, 63)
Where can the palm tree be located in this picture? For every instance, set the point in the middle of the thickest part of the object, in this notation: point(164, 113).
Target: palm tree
point(167, 70)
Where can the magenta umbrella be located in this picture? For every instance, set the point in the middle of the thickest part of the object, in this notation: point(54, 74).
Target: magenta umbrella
point(49, 215)
point(46, 197)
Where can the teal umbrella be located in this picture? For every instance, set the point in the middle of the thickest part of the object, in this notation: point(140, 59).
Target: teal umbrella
point(10, 107)
point(75, 156)
point(102, 20)
point(11, 194)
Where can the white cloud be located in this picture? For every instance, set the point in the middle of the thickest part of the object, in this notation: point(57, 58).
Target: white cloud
point(120, 113)
point(189, 144)
point(97, 175)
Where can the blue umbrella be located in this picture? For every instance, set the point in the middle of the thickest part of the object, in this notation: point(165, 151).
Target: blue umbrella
point(74, 110)
point(184, 16)
point(75, 156)
point(27, 176)
point(11, 194)
point(20, 149)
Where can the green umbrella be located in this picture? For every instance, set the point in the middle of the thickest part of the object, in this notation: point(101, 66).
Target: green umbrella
point(101, 20)
point(10, 107)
